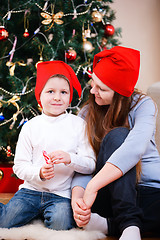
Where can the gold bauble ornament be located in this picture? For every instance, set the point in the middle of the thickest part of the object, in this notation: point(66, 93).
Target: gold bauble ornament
point(97, 16)
point(87, 46)
point(1, 174)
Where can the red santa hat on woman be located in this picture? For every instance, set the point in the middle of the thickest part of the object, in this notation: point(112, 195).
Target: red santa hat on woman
point(47, 69)
point(118, 68)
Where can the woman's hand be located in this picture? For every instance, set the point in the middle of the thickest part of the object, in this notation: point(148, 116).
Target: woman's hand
point(80, 212)
point(60, 157)
point(47, 171)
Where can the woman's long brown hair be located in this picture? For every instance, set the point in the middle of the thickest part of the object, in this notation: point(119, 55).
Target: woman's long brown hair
point(101, 119)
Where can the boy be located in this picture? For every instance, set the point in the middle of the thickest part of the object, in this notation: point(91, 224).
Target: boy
point(45, 192)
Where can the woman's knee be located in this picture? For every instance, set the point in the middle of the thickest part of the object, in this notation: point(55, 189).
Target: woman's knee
point(111, 142)
point(115, 137)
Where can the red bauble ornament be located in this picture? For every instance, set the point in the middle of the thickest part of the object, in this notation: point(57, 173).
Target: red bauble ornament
point(3, 33)
point(109, 30)
point(26, 34)
point(71, 55)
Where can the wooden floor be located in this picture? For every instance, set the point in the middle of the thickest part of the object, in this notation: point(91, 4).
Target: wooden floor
point(4, 198)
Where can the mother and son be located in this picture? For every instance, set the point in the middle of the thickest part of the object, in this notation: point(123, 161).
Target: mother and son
point(103, 171)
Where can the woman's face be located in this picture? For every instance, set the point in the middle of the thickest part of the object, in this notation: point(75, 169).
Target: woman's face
point(103, 94)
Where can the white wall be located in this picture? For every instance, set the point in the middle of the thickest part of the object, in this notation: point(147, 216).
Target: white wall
point(140, 23)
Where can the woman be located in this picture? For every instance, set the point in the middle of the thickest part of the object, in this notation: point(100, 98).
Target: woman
point(121, 125)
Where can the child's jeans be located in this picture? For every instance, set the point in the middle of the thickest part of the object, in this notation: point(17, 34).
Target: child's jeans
point(27, 205)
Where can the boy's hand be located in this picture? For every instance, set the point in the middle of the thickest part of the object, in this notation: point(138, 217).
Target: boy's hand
point(47, 171)
point(60, 157)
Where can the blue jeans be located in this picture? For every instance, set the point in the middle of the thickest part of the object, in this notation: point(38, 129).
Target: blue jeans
point(117, 201)
point(27, 205)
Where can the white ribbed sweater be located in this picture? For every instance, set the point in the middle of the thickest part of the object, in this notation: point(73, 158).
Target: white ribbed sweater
point(65, 132)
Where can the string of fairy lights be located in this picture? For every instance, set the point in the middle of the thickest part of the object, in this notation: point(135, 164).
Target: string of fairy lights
point(48, 19)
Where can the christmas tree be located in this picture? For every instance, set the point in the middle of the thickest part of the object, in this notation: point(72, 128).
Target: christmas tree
point(32, 31)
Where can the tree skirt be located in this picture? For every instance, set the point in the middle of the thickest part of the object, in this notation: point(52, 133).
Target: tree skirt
point(37, 231)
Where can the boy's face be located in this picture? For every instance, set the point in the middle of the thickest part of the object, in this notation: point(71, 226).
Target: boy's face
point(55, 96)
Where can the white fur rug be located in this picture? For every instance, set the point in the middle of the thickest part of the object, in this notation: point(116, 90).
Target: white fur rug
point(37, 231)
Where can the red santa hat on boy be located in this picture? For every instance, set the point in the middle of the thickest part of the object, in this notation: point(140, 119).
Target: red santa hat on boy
point(118, 68)
point(47, 69)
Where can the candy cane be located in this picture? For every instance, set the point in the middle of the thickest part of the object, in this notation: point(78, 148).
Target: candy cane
point(13, 49)
point(46, 157)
